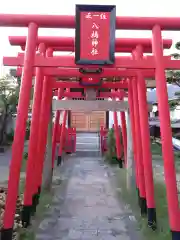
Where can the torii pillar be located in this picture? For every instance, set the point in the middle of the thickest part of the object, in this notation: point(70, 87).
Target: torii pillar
point(18, 143)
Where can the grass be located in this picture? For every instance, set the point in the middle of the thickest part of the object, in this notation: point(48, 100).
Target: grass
point(24, 161)
point(156, 150)
point(112, 160)
point(163, 232)
point(21, 185)
point(45, 201)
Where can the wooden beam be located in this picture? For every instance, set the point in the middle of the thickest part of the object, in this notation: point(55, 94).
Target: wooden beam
point(81, 105)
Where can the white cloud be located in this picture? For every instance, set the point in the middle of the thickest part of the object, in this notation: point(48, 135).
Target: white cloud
point(152, 8)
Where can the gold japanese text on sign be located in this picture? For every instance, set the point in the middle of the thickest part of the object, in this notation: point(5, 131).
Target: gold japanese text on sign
point(95, 31)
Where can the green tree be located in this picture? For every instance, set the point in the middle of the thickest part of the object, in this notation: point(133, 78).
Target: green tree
point(173, 77)
point(9, 92)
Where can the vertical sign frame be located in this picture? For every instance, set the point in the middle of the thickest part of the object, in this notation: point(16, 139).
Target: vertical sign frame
point(89, 10)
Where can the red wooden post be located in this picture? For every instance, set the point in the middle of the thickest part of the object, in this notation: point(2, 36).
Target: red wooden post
point(56, 125)
point(30, 199)
point(43, 126)
point(67, 144)
point(74, 139)
point(124, 134)
point(142, 191)
point(146, 147)
point(18, 144)
point(132, 118)
point(43, 129)
point(117, 137)
point(166, 135)
point(61, 144)
point(101, 138)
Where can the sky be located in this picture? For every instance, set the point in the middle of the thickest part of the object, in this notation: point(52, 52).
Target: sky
point(151, 8)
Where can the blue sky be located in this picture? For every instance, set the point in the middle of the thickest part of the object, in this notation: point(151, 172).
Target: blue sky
point(158, 8)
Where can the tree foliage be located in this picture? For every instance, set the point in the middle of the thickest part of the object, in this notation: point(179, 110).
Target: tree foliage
point(173, 77)
point(9, 92)
point(174, 103)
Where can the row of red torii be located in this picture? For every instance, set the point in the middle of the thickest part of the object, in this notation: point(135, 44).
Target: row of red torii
point(134, 70)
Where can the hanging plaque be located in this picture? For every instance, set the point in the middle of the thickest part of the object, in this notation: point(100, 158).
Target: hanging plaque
point(95, 34)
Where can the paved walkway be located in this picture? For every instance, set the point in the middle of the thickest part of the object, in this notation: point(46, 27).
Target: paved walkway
point(5, 159)
point(85, 206)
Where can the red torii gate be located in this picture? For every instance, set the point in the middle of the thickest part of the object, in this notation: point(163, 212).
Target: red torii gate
point(67, 43)
point(68, 62)
point(154, 24)
point(54, 42)
point(143, 206)
point(67, 21)
point(101, 95)
point(107, 72)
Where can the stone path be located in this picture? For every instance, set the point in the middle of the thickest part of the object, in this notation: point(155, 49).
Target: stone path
point(5, 159)
point(85, 207)
point(87, 145)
